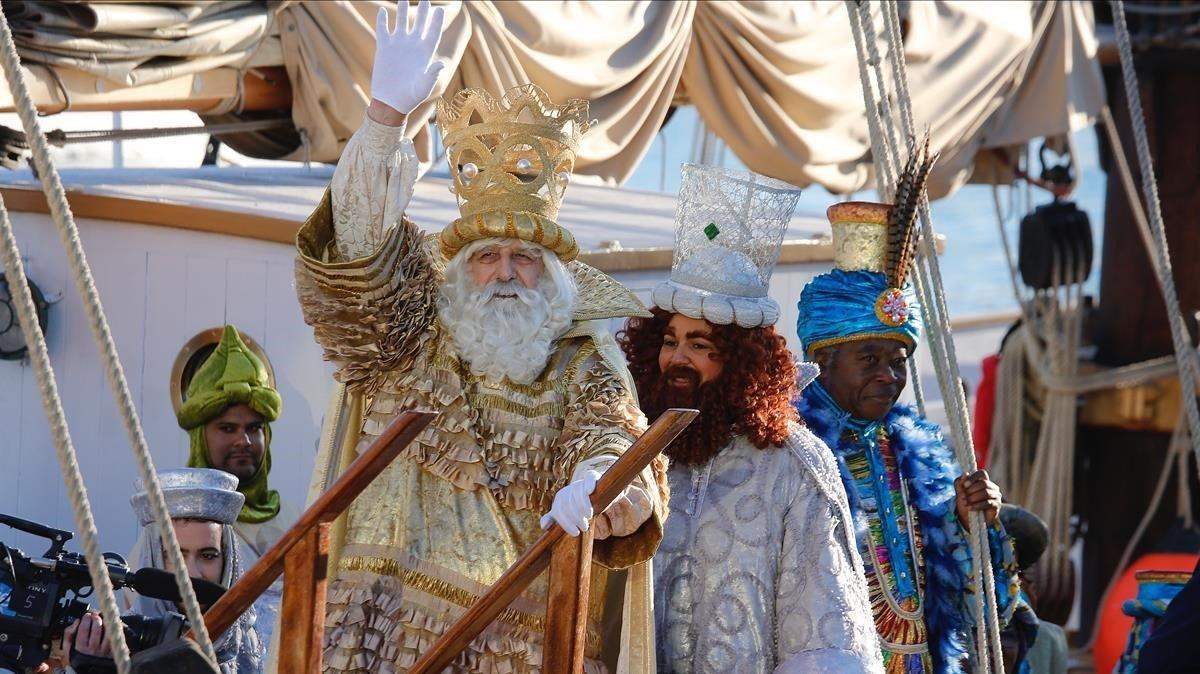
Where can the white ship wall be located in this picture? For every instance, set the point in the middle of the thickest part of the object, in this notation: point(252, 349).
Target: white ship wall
point(159, 287)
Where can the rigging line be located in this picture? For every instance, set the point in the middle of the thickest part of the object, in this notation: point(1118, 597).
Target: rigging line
point(1179, 335)
point(68, 233)
point(987, 644)
point(942, 345)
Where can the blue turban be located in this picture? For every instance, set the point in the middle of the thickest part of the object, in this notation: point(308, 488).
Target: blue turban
point(845, 306)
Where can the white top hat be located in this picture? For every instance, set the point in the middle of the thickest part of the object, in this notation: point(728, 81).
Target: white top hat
point(193, 493)
point(729, 226)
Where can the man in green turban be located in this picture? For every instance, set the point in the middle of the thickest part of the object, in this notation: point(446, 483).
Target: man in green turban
point(227, 413)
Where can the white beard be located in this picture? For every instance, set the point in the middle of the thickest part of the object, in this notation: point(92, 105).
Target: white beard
point(504, 329)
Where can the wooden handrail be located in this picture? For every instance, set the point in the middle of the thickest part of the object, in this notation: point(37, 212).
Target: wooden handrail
point(332, 503)
point(536, 558)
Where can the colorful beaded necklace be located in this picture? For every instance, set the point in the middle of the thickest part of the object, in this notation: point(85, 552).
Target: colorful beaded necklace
point(893, 552)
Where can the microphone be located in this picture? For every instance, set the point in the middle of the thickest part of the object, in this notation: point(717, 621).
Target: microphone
point(149, 582)
point(159, 584)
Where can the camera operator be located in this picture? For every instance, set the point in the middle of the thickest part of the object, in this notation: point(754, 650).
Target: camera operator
point(86, 636)
point(203, 505)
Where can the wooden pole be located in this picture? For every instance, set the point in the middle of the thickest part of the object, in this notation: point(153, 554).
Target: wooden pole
point(567, 604)
point(303, 611)
point(1130, 322)
point(266, 88)
point(331, 504)
point(537, 557)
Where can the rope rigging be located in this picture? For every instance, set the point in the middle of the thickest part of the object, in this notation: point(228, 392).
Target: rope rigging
point(884, 144)
point(69, 235)
point(1053, 364)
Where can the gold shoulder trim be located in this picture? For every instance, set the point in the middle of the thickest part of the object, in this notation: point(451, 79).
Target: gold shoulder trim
point(572, 371)
point(602, 296)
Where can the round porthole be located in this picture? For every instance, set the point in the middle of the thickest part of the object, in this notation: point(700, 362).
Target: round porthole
point(12, 342)
point(196, 351)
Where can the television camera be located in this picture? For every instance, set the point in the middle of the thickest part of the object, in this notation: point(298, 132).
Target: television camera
point(41, 596)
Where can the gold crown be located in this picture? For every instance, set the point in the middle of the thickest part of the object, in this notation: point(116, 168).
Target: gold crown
point(882, 237)
point(860, 235)
point(511, 160)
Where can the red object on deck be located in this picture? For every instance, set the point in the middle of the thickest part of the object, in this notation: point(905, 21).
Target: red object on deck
point(1114, 624)
point(985, 407)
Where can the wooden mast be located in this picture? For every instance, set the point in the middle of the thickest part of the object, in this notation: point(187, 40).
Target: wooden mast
point(1119, 463)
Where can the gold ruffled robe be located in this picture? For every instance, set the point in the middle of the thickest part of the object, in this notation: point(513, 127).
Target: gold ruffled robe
point(462, 502)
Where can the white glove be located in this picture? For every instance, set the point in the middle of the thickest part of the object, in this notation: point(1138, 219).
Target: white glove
point(572, 508)
point(405, 69)
point(625, 514)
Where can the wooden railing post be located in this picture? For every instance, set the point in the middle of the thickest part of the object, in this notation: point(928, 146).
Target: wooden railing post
point(302, 623)
point(332, 503)
point(567, 604)
point(536, 557)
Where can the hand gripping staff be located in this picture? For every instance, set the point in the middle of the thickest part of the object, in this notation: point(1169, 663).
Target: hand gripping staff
point(569, 569)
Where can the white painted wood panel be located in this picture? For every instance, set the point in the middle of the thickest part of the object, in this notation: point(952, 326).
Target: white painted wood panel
point(159, 287)
point(32, 449)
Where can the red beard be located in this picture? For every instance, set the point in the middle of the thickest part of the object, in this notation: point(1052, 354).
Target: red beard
point(705, 437)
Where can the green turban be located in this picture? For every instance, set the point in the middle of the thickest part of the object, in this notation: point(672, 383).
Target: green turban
point(233, 375)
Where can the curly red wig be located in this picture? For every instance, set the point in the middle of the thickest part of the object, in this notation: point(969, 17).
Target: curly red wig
point(751, 397)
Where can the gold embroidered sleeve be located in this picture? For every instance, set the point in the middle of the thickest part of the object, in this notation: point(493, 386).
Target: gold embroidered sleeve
point(603, 420)
point(369, 314)
point(371, 187)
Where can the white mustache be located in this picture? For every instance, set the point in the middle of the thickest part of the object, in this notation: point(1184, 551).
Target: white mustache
point(510, 288)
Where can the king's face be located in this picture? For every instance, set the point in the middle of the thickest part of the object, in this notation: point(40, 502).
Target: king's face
point(688, 356)
point(865, 377)
point(514, 260)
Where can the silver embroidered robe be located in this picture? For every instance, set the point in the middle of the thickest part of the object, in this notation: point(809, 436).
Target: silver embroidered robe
point(757, 570)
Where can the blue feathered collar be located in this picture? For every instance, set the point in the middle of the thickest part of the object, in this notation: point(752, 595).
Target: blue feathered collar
point(929, 468)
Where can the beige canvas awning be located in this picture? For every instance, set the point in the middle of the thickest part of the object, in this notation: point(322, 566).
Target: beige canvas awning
point(778, 82)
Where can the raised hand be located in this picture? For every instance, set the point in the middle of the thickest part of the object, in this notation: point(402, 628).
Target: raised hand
point(406, 68)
